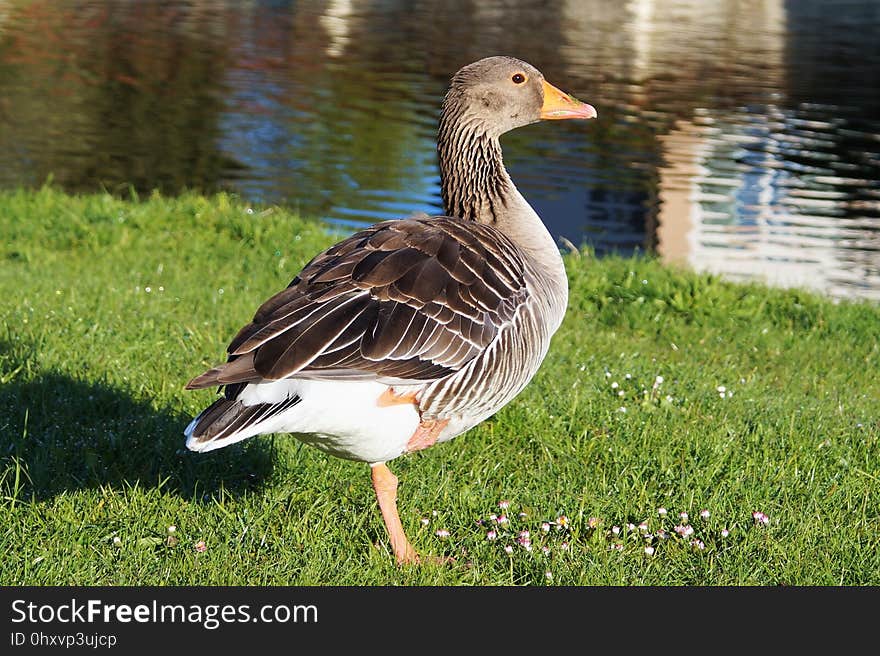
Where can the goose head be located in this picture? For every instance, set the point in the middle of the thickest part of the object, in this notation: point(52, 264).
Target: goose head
point(486, 99)
point(498, 94)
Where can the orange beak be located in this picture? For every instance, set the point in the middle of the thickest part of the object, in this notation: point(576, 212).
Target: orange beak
point(559, 105)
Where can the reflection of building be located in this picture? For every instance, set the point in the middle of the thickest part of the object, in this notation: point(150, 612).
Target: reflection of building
point(751, 184)
point(335, 22)
point(731, 205)
point(666, 59)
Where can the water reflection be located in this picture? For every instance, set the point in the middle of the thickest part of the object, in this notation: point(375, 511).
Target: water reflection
point(733, 202)
point(89, 97)
point(738, 136)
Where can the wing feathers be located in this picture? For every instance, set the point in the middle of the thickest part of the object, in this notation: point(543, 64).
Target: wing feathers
point(294, 349)
point(415, 299)
point(380, 268)
point(226, 417)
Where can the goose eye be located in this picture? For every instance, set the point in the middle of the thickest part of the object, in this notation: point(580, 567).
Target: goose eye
point(518, 78)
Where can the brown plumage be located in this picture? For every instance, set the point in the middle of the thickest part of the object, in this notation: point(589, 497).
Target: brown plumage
point(415, 299)
point(409, 332)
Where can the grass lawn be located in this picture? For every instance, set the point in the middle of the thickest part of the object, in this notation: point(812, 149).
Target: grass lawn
point(663, 389)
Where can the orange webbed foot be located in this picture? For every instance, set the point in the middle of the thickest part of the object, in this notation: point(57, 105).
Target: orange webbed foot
point(426, 434)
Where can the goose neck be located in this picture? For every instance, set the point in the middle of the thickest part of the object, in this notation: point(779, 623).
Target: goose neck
point(473, 180)
point(476, 187)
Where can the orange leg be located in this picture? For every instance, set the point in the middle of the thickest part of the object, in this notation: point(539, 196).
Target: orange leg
point(385, 485)
point(428, 430)
point(388, 397)
point(426, 434)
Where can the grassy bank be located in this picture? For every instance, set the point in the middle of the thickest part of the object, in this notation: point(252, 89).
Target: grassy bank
point(663, 389)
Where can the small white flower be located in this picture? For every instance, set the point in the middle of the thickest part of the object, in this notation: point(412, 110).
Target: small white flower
point(705, 514)
point(658, 380)
point(545, 527)
point(615, 530)
point(643, 526)
point(425, 521)
point(614, 385)
point(662, 511)
point(548, 576)
point(684, 516)
point(721, 388)
point(442, 533)
point(172, 529)
point(504, 504)
point(649, 550)
point(491, 535)
point(724, 533)
point(117, 542)
point(508, 549)
point(621, 409)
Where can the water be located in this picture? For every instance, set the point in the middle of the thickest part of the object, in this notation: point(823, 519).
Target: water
point(738, 136)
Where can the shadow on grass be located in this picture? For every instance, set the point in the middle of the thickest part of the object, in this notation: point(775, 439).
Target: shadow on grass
point(69, 435)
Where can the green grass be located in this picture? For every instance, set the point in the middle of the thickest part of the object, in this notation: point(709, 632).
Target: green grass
point(108, 307)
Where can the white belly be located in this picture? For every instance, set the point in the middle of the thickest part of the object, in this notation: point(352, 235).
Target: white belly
point(341, 418)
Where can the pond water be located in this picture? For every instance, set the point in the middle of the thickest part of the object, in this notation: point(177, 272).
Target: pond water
point(737, 136)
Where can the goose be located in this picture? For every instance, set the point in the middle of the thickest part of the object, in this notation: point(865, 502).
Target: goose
point(411, 331)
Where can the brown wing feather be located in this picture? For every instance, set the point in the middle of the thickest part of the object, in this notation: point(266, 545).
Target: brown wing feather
point(415, 299)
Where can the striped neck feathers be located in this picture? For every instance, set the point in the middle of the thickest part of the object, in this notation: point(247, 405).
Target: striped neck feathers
point(474, 183)
point(476, 186)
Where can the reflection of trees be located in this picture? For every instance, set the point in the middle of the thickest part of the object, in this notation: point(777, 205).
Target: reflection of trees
point(327, 130)
point(115, 94)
